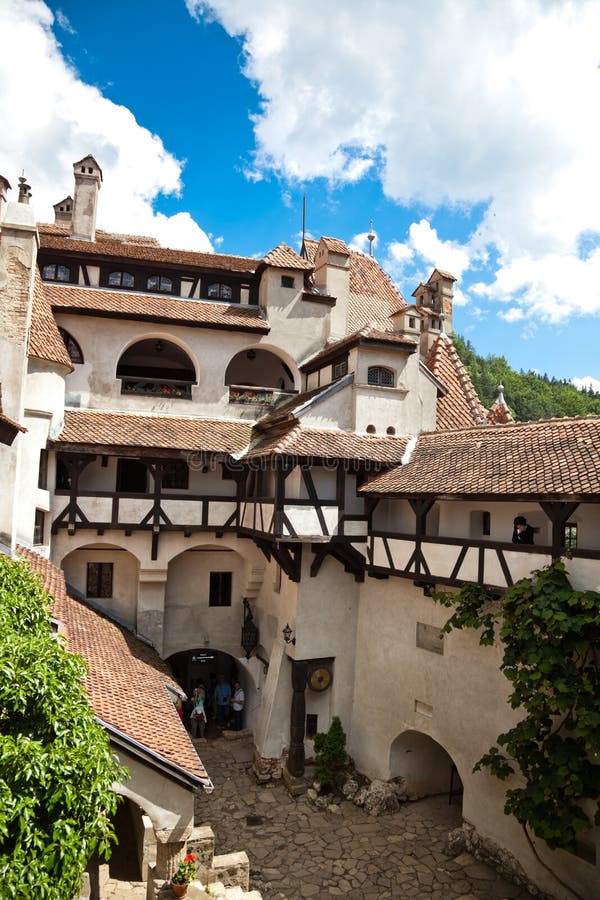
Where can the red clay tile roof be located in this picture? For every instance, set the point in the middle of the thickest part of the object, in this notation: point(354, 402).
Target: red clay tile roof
point(126, 680)
point(373, 296)
point(553, 459)
point(322, 443)
point(367, 335)
point(284, 257)
point(65, 231)
point(153, 308)
point(110, 245)
point(45, 341)
point(119, 429)
point(335, 245)
point(460, 407)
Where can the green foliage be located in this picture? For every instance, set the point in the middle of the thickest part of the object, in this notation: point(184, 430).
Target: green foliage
point(551, 638)
point(331, 758)
point(56, 766)
point(529, 395)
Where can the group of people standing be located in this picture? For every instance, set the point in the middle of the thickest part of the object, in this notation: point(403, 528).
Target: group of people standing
point(223, 703)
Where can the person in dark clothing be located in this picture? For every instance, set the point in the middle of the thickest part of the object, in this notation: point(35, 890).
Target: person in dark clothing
point(523, 533)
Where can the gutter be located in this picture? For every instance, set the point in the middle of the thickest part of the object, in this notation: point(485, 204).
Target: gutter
point(155, 760)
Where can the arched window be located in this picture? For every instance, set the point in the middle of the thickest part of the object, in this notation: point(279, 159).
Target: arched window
point(380, 376)
point(73, 348)
point(158, 368)
point(56, 272)
point(371, 429)
point(390, 430)
point(219, 292)
point(160, 283)
point(121, 279)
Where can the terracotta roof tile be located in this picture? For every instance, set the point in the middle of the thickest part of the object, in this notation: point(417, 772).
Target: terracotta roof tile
point(373, 296)
point(64, 231)
point(146, 252)
point(550, 458)
point(45, 341)
point(336, 245)
point(90, 426)
point(126, 680)
point(460, 407)
point(330, 444)
point(153, 308)
point(284, 257)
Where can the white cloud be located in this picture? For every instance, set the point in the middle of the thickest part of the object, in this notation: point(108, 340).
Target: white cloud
point(583, 384)
point(491, 104)
point(43, 103)
point(360, 242)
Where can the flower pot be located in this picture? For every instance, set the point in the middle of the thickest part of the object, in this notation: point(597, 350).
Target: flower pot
point(179, 890)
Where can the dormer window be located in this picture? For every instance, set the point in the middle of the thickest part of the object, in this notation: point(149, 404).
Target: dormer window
point(160, 283)
point(121, 279)
point(380, 376)
point(55, 272)
point(287, 281)
point(218, 291)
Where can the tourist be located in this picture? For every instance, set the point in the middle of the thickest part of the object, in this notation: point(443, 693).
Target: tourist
point(222, 698)
point(198, 717)
point(237, 704)
point(523, 533)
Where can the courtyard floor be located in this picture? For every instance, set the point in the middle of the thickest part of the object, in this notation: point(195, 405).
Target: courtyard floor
point(297, 851)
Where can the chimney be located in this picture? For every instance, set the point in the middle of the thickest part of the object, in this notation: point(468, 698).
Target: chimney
point(63, 211)
point(4, 187)
point(332, 275)
point(434, 302)
point(88, 179)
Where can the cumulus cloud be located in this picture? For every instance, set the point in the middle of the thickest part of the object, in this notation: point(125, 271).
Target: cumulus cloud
point(43, 103)
point(587, 382)
point(491, 106)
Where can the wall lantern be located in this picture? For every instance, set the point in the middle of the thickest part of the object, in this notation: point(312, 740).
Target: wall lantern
point(159, 346)
point(287, 635)
point(251, 354)
point(249, 630)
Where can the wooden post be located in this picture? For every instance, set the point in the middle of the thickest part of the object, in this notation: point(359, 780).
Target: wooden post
point(295, 762)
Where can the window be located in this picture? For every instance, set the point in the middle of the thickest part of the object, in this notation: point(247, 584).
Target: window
point(219, 593)
point(277, 580)
point(219, 292)
point(287, 281)
point(160, 283)
point(371, 429)
point(43, 470)
point(38, 528)
point(390, 430)
point(132, 476)
point(570, 536)
point(379, 376)
point(121, 279)
point(99, 581)
point(411, 322)
point(176, 475)
point(55, 272)
point(340, 368)
point(63, 476)
point(73, 348)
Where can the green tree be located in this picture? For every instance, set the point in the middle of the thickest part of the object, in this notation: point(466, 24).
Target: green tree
point(56, 765)
point(331, 759)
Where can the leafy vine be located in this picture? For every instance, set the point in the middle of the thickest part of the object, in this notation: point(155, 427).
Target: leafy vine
point(551, 638)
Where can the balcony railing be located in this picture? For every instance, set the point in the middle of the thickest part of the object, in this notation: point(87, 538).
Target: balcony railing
point(263, 396)
point(156, 387)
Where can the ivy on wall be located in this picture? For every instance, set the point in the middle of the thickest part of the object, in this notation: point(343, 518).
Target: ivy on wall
point(551, 639)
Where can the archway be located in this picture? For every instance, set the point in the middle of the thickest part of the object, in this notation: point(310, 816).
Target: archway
point(258, 369)
point(106, 576)
point(156, 366)
point(426, 766)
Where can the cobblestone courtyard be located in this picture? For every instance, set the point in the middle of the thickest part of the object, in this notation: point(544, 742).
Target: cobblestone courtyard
point(297, 851)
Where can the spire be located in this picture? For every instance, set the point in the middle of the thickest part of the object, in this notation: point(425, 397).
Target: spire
point(499, 413)
point(371, 237)
point(303, 250)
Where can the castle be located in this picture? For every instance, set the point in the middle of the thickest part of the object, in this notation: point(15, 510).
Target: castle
point(261, 468)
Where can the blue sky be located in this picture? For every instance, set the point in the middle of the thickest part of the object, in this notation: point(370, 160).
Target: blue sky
point(467, 130)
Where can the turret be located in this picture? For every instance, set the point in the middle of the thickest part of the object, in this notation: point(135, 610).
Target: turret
point(434, 302)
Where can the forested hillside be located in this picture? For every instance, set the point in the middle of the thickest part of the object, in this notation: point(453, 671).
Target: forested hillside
point(529, 396)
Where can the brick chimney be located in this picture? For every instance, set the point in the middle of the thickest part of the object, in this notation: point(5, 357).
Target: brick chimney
point(88, 179)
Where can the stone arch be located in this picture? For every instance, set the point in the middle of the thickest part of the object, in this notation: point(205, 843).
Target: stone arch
point(425, 764)
point(263, 365)
point(83, 567)
point(157, 365)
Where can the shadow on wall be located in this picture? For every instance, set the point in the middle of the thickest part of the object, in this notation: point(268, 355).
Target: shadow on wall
point(426, 766)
